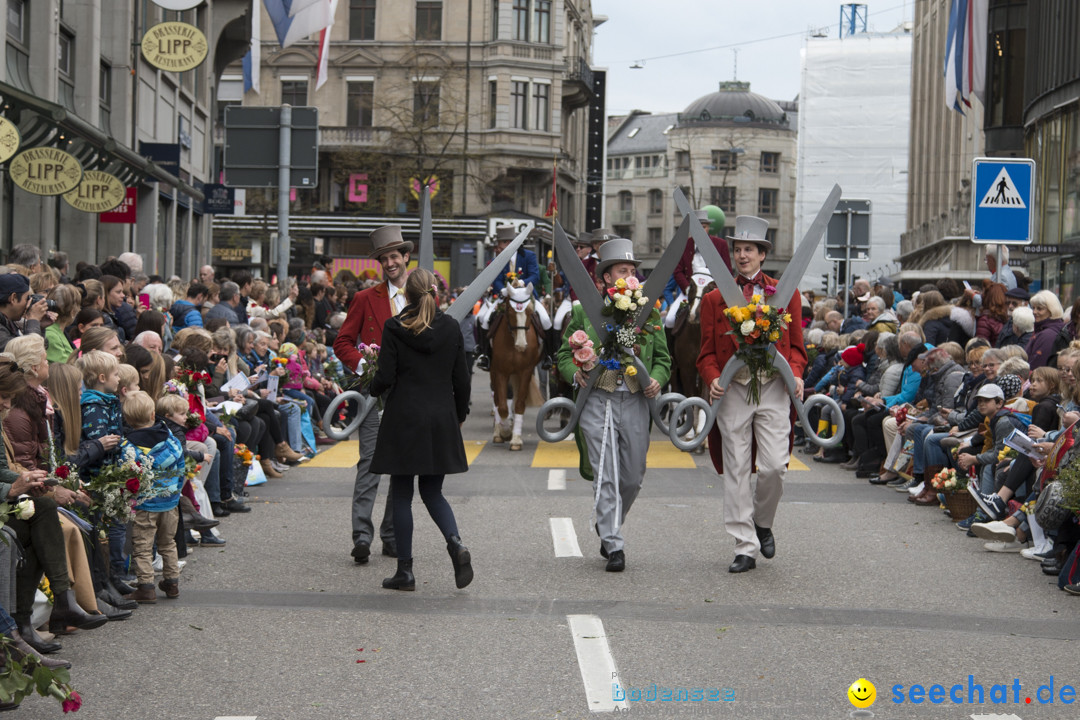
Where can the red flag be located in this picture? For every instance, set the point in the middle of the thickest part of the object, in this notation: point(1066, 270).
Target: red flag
point(553, 206)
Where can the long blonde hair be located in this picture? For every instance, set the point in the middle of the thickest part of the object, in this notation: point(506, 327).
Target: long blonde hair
point(65, 389)
point(420, 292)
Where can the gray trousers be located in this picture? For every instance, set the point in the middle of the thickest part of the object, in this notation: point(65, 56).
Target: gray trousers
point(367, 486)
point(630, 419)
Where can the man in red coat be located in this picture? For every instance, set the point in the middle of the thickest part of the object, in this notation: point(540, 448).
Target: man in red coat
point(741, 424)
point(368, 312)
point(692, 262)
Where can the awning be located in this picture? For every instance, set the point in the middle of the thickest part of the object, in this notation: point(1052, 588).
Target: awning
point(45, 124)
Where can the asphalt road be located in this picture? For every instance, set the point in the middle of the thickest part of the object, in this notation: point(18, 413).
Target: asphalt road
point(282, 625)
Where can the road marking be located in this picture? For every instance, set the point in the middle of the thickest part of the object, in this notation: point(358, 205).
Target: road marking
point(564, 537)
point(236, 717)
point(557, 479)
point(796, 464)
point(662, 455)
point(347, 453)
point(595, 662)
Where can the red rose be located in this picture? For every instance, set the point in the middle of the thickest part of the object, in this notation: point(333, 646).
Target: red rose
point(62, 472)
point(132, 485)
point(72, 703)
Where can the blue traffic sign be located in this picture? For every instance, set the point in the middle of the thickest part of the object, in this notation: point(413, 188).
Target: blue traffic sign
point(1001, 201)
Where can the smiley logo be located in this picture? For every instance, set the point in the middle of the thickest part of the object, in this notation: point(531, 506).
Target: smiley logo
point(862, 693)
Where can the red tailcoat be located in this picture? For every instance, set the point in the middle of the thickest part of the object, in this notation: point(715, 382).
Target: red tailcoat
point(369, 311)
point(717, 347)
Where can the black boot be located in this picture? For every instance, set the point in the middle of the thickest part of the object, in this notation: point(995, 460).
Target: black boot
point(403, 579)
point(483, 348)
point(66, 610)
point(29, 634)
point(462, 560)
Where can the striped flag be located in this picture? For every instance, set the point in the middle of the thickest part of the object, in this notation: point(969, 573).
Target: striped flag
point(965, 53)
point(324, 47)
point(252, 60)
point(292, 26)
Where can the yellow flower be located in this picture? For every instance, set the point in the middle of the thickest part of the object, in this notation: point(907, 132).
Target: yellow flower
point(765, 309)
point(620, 283)
point(774, 336)
point(787, 317)
point(630, 370)
point(755, 299)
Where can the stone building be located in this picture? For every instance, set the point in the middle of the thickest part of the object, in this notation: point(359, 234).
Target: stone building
point(732, 148)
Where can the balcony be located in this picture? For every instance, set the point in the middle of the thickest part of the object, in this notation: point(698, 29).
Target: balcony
point(577, 83)
point(334, 136)
point(631, 173)
point(622, 217)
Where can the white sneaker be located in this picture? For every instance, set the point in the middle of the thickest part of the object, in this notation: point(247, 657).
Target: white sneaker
point(1006, 547)
point(158, 563)
point(180, 564)
point(994, 530)
point(1035, 553)
point(917, 489)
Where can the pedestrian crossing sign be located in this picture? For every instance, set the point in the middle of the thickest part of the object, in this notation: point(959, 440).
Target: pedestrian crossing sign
point(1001, 201)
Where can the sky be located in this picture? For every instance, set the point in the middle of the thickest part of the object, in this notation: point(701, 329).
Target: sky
point(644, 30)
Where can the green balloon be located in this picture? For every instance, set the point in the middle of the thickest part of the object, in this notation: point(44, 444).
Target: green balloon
point(716, 219)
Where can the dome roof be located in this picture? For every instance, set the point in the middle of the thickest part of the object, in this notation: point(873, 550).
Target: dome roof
point(734, 103)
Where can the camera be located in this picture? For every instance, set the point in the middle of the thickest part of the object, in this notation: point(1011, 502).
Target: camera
point(217, 357)
point(50, 304)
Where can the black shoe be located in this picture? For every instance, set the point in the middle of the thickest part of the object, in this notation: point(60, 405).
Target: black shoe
point(768, 542)
point(361, 552)
point(742, 563)
point(880, 480)
point(865, 474)
point(389, 549)
point(462, 561)
point(29, 634)
point(483, 362)
point(209, 538)
point(121, 588)
point(603, 551)
point(616, 562)
point(67, 610)
point(113, 597)
point(198, 522)
point(403, 579)
point(219, 510)
point(112, 612)
point(235, 506)
point(1051, 569)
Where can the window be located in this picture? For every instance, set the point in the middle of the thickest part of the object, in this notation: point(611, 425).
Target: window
point(65, 59)
point(230, 91)
point(624, 231)
point(724, 160)
point(723, 198)
point(541, 103)
point(521, 19)
point(656, 240)
point(361, 102)
point(494, 19)
point(519, 96)
point(428, 20)
point(770, 235)
point(626, 201)
point(16, 21)
point(542, 21)
point(493, 98)
point(617, 166)
point(426, 103)
point(656, 202)
point(767, 199)
point(294, 92)
point(105, 97)
point(770, 163)
point(682, 160)
point(361, 19)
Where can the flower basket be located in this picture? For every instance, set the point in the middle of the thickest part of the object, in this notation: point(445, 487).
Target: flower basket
point(961, 505)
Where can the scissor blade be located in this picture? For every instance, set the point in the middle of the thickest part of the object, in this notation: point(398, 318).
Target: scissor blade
point(725, 283)
point(427, 235)
point(789, 281)
point(583, 285)
point(660, 275)
point(464, 304)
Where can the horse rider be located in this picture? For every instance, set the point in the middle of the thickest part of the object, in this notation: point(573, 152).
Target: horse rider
point(615, 418)
point(522, 266)
point(742, 423)
point(692, 268)
point(368, 313)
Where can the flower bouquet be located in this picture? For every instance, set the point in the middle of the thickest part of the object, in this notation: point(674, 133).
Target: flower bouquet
point(25, 674)
point(368, 365)
point(119, 487)
point(949, 481)
point(584, 356)
point(192, 379)
point(756, 327)
point(22, 509)
point(622, 304)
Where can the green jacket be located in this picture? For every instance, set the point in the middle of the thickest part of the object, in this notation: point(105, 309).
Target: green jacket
point(654, 349)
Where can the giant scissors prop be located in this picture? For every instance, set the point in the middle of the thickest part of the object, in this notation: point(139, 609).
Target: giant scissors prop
point(733, 296)
point(462, 306)
point(593, 305)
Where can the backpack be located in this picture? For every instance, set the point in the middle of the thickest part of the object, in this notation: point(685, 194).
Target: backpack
point(1061, 341)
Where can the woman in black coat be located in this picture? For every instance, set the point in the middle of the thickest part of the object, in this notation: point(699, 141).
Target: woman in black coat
point(422, 370)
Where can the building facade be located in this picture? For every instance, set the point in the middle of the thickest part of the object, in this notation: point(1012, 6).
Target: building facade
point(76, 80)
point(479, 106)
point(733, 148)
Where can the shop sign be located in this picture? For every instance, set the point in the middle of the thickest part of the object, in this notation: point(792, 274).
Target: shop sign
point(45, 171)
point(9, 139)
point(174, 46)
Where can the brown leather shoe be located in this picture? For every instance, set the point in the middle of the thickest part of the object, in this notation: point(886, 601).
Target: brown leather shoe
point(144, 595)
point(268, 469)
point(23, 649)
point(286, 453)
point(171, 588)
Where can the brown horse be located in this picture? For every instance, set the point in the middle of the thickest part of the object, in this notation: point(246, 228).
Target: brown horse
point(516, 347)
point(685, 347)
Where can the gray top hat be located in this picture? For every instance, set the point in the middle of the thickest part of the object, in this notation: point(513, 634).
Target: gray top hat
point(602, 235)
point(751, 229)
point(387, 238)
point(614, 251)
point(505, 233)
point(702, 215)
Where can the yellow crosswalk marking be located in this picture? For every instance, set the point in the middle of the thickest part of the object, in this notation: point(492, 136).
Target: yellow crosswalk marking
point(347, 453)
point(797, 464)
point(662, 455)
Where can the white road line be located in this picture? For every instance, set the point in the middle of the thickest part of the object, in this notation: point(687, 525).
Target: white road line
point(557, 479)
point(236, 717)
point(595, 661)
point(564, 537)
